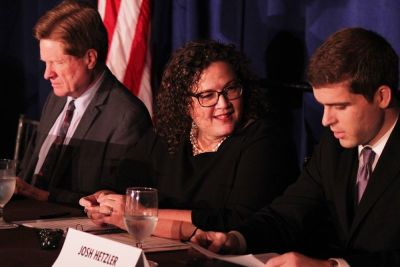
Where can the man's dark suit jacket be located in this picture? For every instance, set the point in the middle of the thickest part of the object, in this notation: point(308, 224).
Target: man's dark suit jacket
point(114, 120)
point(321, 205)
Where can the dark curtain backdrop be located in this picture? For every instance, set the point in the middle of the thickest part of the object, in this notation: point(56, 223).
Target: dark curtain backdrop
point(277, 35)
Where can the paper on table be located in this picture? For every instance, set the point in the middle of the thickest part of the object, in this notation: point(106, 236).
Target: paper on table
point(150, 244)
point(78, 223)
point(249, 260)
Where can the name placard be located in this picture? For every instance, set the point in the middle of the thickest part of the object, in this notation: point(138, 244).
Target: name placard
point(83, 249)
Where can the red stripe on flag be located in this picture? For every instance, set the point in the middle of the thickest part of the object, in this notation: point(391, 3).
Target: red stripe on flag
point(137, 58)
point(110, 17)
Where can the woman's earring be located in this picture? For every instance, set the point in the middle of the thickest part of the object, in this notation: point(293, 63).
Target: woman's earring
point(194, 126)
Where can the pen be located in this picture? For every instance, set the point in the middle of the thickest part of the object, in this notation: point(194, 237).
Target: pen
point(105, 231)
point(54, 215)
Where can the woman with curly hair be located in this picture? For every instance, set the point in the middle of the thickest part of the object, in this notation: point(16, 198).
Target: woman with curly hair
point(214, 155)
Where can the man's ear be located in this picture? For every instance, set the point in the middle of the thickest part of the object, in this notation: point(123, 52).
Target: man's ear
point(384, 96)
point(91, 58)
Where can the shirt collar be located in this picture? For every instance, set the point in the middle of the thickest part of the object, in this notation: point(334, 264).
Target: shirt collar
point(380, 145)
point(82, 102)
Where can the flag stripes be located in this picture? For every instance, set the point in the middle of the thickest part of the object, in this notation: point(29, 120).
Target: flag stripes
point(128, 26)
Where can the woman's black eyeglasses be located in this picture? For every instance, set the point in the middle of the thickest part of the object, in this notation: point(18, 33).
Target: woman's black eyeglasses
point(210, 98)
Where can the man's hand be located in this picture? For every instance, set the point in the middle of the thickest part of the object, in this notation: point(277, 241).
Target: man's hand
point(217, 241)
point(29, 191)
point(91, 200)
point(105, 207)
point(293, 259)
point(113, 206)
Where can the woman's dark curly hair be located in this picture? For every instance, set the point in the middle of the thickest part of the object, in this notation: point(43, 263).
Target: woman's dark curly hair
point(182, 74)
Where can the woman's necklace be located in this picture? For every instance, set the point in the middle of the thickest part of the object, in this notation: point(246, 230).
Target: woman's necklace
point(195, 145)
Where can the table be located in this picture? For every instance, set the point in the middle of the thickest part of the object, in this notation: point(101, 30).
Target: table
point(19, 247)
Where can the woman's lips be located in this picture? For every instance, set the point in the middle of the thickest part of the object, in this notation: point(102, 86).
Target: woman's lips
point(223, 116)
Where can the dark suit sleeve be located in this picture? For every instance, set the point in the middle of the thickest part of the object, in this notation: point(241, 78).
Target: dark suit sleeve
point(280, 226)
point(31, 154)
point(125, 137)
point(65, 196)
point(136, 168)
point(383, 258)
point(29, 160)
point(264, 168)
point(132, 126)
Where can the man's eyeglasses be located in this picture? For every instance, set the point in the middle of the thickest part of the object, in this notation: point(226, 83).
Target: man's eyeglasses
point(210, 98)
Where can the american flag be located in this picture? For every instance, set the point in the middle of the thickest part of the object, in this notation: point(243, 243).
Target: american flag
point(128, 26)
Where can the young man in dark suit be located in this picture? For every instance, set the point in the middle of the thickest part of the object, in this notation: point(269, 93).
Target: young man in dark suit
point(89, 119)
point(350, 188)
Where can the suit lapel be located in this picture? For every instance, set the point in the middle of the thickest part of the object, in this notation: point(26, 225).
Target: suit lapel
point(56, 105)
point(344, 178)
point(385, 173)
point(94, 108)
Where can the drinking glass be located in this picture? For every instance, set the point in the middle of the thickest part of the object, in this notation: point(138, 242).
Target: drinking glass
point(141, 211)
point(7, 187)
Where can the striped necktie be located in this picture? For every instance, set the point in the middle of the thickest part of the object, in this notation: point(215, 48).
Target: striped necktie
point(364, 170)
point(43, 177)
